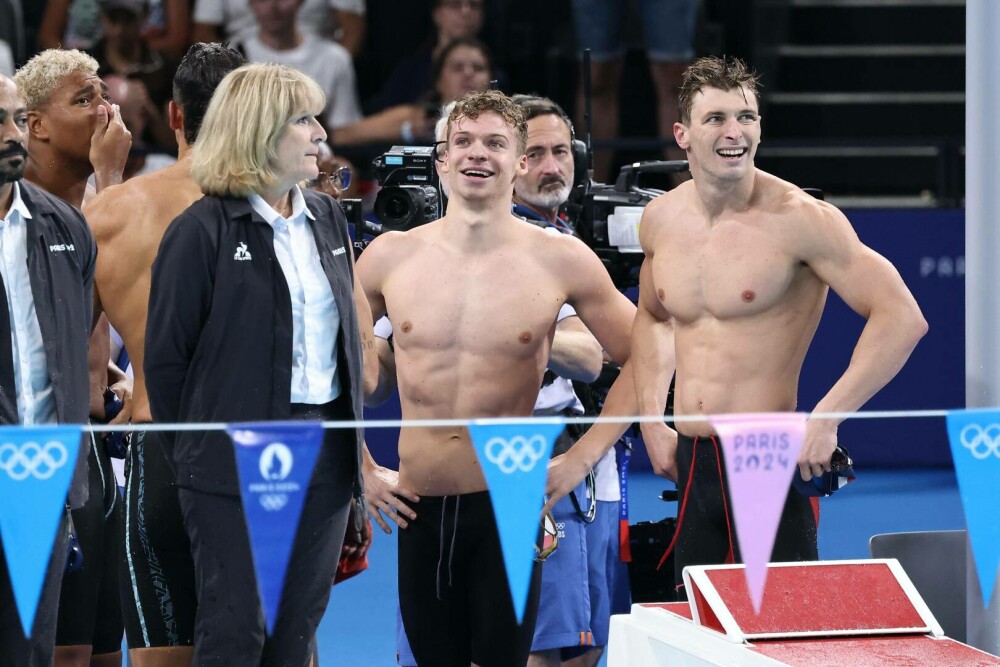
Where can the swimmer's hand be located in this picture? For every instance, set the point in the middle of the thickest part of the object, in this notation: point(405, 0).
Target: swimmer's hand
point(661, 446)
point(818, 448)
point(385, 497)
point(109, 147)
point(565, 474)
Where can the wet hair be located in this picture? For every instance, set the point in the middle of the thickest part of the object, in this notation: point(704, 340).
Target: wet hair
point(198, 75)
point(473, 104)
point(713, 72)
point(41, 76)
point(533, 106)
point(248, 114)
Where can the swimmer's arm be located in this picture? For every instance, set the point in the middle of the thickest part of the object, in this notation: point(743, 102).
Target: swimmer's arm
point(369, 353)
point(386, 374)
point(575, 353)
point(654, 362)
point(873, 288)
point(609, 315)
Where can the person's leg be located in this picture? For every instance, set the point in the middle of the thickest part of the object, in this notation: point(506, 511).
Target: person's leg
point(669, 31)
point(564, 609)
point(498, 640)
point(109, 628)
point(313, 561)
point(39, 649)
point(156, 575)
point(432, 601)
point(229, 622)
point(704, 532)
point(81, 588)
point(598, 28)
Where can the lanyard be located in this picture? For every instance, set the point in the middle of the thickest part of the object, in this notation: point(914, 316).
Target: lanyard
point(623, 454)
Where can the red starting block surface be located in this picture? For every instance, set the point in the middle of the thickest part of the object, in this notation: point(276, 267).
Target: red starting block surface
point(834, 613)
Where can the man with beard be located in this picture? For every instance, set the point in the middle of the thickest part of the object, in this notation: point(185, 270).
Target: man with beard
point(76, 133)
point(47, 269)
point(580, 579)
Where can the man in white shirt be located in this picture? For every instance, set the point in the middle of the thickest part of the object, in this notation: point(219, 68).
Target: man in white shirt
point(343, 20)
point(45, 250)
point(281, 39)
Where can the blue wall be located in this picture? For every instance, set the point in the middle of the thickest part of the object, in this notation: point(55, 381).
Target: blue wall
point(928, 248)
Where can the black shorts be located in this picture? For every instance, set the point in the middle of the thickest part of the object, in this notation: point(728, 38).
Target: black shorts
point(156, 574)
point(230, 628)
point(90, 612)
point(453, 592)
point(705, 531)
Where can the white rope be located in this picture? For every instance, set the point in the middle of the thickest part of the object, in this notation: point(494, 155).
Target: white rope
point(500, 421)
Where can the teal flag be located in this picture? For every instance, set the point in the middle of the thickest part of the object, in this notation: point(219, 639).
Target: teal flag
point(36, 468)
point(514, 458)
point(975, 448)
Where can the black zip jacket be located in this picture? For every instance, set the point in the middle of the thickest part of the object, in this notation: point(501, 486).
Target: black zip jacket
point(61, 260)
point(219, 332)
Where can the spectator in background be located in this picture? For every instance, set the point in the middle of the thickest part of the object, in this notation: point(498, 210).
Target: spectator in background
point(123, 50)
point(6, 59)
point(76, 24)
point(669, 33)
point(343, 20)
point(279, 38)
point(133, 102)
point(463, 66)
point(453, 19)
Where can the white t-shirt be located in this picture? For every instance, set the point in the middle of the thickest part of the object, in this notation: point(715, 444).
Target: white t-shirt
point(328, 63)
point(238, 22)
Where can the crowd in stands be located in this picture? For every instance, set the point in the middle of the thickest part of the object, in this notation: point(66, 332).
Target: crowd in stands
point(386, 66)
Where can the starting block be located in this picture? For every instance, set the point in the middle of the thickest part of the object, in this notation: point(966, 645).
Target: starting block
point(820, 614)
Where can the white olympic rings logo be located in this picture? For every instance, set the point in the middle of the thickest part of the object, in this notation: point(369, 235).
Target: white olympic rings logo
point(981, 441)
point(31, 459)
point(273, 502)
point(518, 453)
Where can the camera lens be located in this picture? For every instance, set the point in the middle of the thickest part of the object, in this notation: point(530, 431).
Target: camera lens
point(403, 207)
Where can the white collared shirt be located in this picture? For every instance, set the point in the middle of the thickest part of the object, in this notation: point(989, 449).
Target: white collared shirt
point(35, 399)
point(315, 317)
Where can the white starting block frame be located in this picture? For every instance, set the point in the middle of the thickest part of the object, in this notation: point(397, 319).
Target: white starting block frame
point(819, 614)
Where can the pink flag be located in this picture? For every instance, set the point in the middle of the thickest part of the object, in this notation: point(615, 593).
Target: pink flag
point(761, 452)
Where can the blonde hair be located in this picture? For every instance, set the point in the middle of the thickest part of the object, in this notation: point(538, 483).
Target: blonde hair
point(43, 74)
point(236, 152)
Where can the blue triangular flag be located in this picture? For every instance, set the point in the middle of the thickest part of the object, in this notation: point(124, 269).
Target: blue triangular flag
point(514, 458)
point(975, 447)
point(275, 461)
point(36, 468)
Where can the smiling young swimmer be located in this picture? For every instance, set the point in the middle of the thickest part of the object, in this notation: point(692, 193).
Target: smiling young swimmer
point(739, 261)
point(473, 300)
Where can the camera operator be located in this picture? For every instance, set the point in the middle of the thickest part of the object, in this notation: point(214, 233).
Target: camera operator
point(579, 579)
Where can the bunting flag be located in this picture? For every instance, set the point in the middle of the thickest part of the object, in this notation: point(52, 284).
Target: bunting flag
point(36, 469)
point(275, 461)
point(514, 458)
point(975, 447)
point(761, 453)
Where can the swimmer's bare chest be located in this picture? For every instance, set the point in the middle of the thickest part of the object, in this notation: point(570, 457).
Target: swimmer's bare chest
point(732, 271)
point(500, 307)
